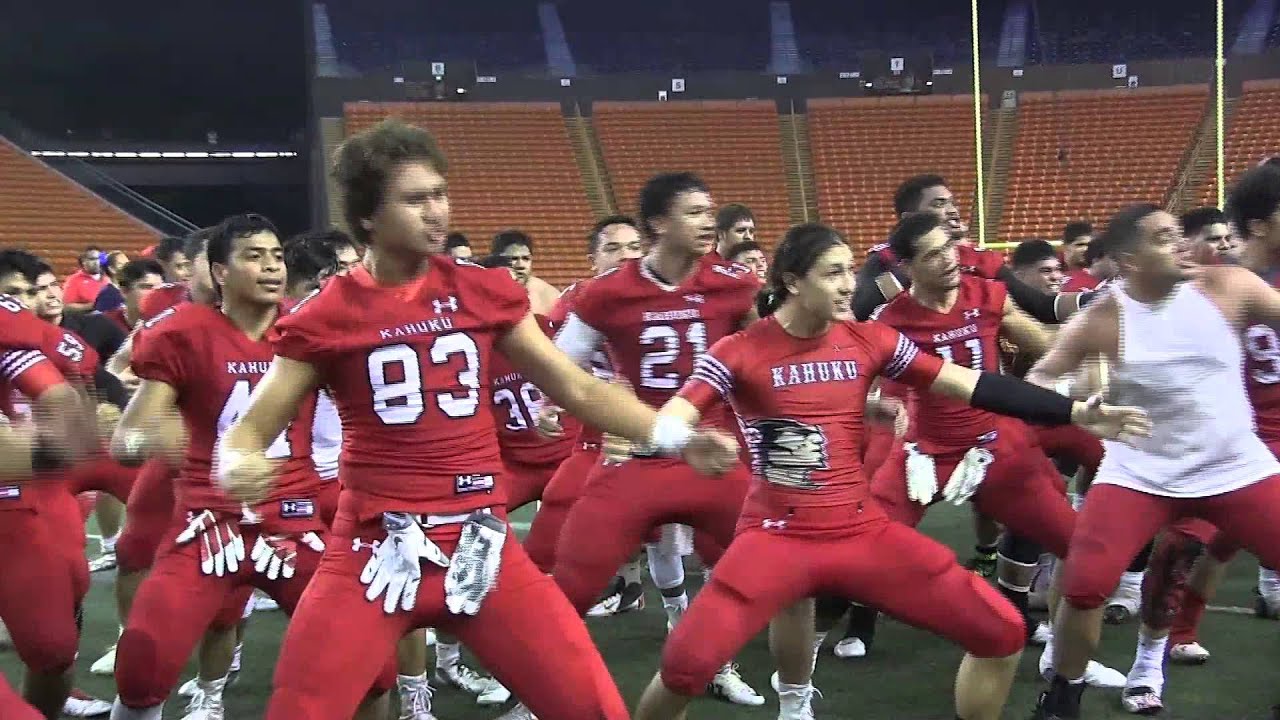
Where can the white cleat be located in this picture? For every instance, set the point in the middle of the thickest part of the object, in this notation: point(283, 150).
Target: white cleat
point(1095, 673)
point(190, 688)
point(729, 685)
point(205, 707)
point(797, 704)
point(416, 704)
point(1042, 634)
point(105, 561)
point(519, 712)
point(264, 603)
point(105, 665)
point(487, 690)
point(82, 705)
point(850, 647)
point(606, 607)
point(1189, 654)
point(1141, 700)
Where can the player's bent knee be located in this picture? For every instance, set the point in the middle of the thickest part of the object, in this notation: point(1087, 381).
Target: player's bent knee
point(1019, 549)
point(140, 680)
point(998, 629)
point(687, 667)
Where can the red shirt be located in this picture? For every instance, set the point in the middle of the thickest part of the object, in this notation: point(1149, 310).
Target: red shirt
point(983, 263)
point(81, 288)
point(1078, 280)
point(409, 369)
point(654, 332)
point(515, 411)
point(968, 335)
point(801, 404)
point(116, 315)
point(1262, 374)
point(162, 298)
point(213, 365)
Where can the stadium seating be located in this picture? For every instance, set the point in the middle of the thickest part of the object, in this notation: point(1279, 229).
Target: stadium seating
point(1104, 31)
point(1084, 154)
point(863, 148)
point(47, 213)
point(834, 35)
point(511, 165)
point(1253, 134)
point(735, 146)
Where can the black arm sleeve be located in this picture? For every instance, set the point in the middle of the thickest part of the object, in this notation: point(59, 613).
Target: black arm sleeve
point(1005, 395)
point(866, 294)
point(1039, 305)
point(110, 387)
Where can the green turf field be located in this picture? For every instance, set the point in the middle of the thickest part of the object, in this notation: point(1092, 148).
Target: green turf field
point(907, 677)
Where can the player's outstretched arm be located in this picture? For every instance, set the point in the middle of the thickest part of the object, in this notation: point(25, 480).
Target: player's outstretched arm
point(1030, 336)
point(150, 426)
point(15, 451)
point(119, 365)
point(241, 466)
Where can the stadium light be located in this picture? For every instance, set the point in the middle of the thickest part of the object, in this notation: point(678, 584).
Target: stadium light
point(165, 155)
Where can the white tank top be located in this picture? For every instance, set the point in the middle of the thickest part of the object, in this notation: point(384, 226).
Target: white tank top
point(1181, 361)
point(326, 437)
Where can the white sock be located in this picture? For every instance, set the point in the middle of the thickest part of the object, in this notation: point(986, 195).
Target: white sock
point(407, 684)
point(109, 544)
point(1148, 662)
point(1268, 581)
point(666, 569)
point(120, 712)
point(448, 654)
point(213, 688)
point(630, 572)
point(1048, 649)
point(818, 639)
point(1131, 582)
point(675, 607)
point(236, 656)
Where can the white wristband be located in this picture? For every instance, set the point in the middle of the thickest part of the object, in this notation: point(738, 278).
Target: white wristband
point(225, 461)
point(670, 435)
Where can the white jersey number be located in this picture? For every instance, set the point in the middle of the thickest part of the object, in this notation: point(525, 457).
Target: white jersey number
point(237, 402)
point(669, 339)
point(1264, 350)
point(974, 347)
point(401, 402)
point(522, 405)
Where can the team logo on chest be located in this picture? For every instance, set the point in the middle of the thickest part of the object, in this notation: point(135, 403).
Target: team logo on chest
point(248, 367)
point(972, 314)
point(441, 304)
point(787, 452)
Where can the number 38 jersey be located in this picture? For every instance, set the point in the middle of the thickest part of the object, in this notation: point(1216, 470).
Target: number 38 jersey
point(516, 402)
point(409, 368)
point(214, 367)
point(968, 335)
point(1262, 372)
point(654, 331)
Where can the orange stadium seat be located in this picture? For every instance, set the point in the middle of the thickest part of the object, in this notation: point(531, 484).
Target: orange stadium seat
point(863, 148)
point(1254, 134)
point(1085, 154)
point(47, 213)
point(511, 165)
point(735, 146)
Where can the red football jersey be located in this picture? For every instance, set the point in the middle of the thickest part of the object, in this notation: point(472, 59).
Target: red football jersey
point(162, 298)
point(409, 369)
point(1080, 280)
point(1262, 373)
point(214, 366)
point(515, 411)
point(654, 332)
point(968, 335)
point(800, 402)
point(35, 356)
point(983, 263)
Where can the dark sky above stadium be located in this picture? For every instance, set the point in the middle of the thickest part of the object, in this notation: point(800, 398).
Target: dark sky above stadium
point(156, 69)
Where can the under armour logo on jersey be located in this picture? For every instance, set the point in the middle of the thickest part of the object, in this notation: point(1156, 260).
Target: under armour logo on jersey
point(450, 302)
point(972, 314)
point(10, 492)
point(302, 508)
point(773, 524)
point(700, 299)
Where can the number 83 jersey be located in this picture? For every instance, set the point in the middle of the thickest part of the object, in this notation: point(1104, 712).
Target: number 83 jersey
point(655, 331)
point(968, 335)
point(409, 369)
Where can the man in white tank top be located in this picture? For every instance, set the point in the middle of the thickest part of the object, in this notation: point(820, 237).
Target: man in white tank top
point(1169, 332)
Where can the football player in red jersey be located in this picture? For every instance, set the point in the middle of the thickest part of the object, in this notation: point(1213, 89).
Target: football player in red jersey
point(420, 539)
point(205, 361)
point(42, 541)
point(656, 315)
point(809, 524)
point(735, 224)
point(518, 247)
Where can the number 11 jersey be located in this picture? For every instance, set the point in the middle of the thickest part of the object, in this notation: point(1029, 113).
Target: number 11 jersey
point(654, 331)
point(409, 368)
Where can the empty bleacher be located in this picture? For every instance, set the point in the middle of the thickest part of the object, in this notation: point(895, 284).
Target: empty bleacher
point(863, 148)
point(1085, 154)
point(735, 146)
point(47, 213)
point(511, 165)
point(1254, 133)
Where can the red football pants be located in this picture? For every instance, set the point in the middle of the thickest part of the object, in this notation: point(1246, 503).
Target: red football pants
point(526, 634)
point(1116, 522)
point(562, 491)
point(43, 578)
point(623, 503)
point(177, 603)
point(879, 563)
point(148, 515)
point(13, 707)
point(1022, 491)
point(103, 474)
point(526, 482)
point(878, 444)
point(1071, 442)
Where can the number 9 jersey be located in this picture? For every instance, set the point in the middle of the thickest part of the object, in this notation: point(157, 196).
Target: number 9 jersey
point(409, 367)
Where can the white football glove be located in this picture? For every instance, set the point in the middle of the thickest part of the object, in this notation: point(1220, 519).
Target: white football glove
point(221, 546)
point(395, 570)
point(276, 556)
point(967, 476)
point(473, 572)
point(922, 476)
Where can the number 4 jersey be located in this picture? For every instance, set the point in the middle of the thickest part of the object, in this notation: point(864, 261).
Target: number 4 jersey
point(214, 366)
point(654, 331)
point(409, 368)
point(968, 335)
